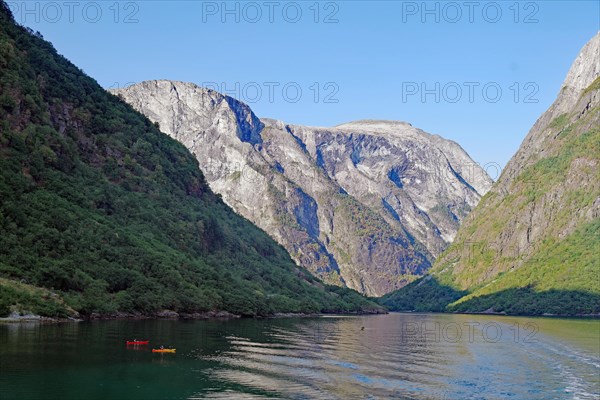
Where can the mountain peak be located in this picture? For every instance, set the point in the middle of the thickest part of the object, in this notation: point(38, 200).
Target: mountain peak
point(373, 122)
point(586, 67)
point(177, 102)
point(582, 74)
point(377, 126)
point(387, 128)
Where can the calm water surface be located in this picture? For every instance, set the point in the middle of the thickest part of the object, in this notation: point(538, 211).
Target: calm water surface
point(412, 356)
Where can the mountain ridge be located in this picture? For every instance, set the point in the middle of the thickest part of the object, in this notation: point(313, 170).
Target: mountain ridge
point(346, 201)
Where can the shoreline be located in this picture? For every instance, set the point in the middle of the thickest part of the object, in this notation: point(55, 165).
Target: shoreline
point(14, 318)
point(166, 314)
point(225, 315)
point(503, 314)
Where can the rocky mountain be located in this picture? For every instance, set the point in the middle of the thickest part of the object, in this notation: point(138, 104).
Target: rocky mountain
point(367, 204)
point(101, 213)
point(532, 245)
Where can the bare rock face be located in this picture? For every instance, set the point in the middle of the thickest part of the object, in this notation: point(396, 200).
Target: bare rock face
point(367, 204)
point(582, 74)
point(547, 198)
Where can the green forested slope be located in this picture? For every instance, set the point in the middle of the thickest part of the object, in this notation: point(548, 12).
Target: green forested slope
point(532, 244)
point(559, 273)
point(101, 212)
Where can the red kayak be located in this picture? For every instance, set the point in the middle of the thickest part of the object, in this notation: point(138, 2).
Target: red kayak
point(136, 342)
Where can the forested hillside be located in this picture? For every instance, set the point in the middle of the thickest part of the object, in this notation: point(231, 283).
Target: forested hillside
point(101, 212)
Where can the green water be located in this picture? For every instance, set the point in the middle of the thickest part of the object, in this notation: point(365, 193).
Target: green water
point(414, 356)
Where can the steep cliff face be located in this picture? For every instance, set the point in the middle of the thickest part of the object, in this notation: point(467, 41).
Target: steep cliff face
point(366, 204)
point(535, 235)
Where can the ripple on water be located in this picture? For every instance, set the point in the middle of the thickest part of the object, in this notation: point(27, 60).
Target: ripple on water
point(304, 358)
point(324, 362)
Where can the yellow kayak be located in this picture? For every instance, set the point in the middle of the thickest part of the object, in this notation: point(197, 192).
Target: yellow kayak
point(163, 350)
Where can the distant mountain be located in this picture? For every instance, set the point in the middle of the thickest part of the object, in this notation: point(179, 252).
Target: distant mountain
point(367, 204)
point(102, 213)
point(532, 245)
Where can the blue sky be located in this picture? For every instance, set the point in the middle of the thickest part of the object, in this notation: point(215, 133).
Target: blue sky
point(479, 73)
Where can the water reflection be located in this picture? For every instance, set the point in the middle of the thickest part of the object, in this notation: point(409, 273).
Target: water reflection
point(412, 356)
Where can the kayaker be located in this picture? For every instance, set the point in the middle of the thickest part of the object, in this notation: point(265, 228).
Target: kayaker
point(162, 347)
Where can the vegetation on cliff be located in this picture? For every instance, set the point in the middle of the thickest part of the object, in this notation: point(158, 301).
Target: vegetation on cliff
point(101, 212)
point(532, 244)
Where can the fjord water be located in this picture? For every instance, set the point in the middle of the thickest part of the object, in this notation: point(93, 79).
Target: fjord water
point(414, 356)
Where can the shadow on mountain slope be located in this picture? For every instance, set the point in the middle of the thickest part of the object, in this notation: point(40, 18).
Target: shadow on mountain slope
point(528, 301)
point(425, 294)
